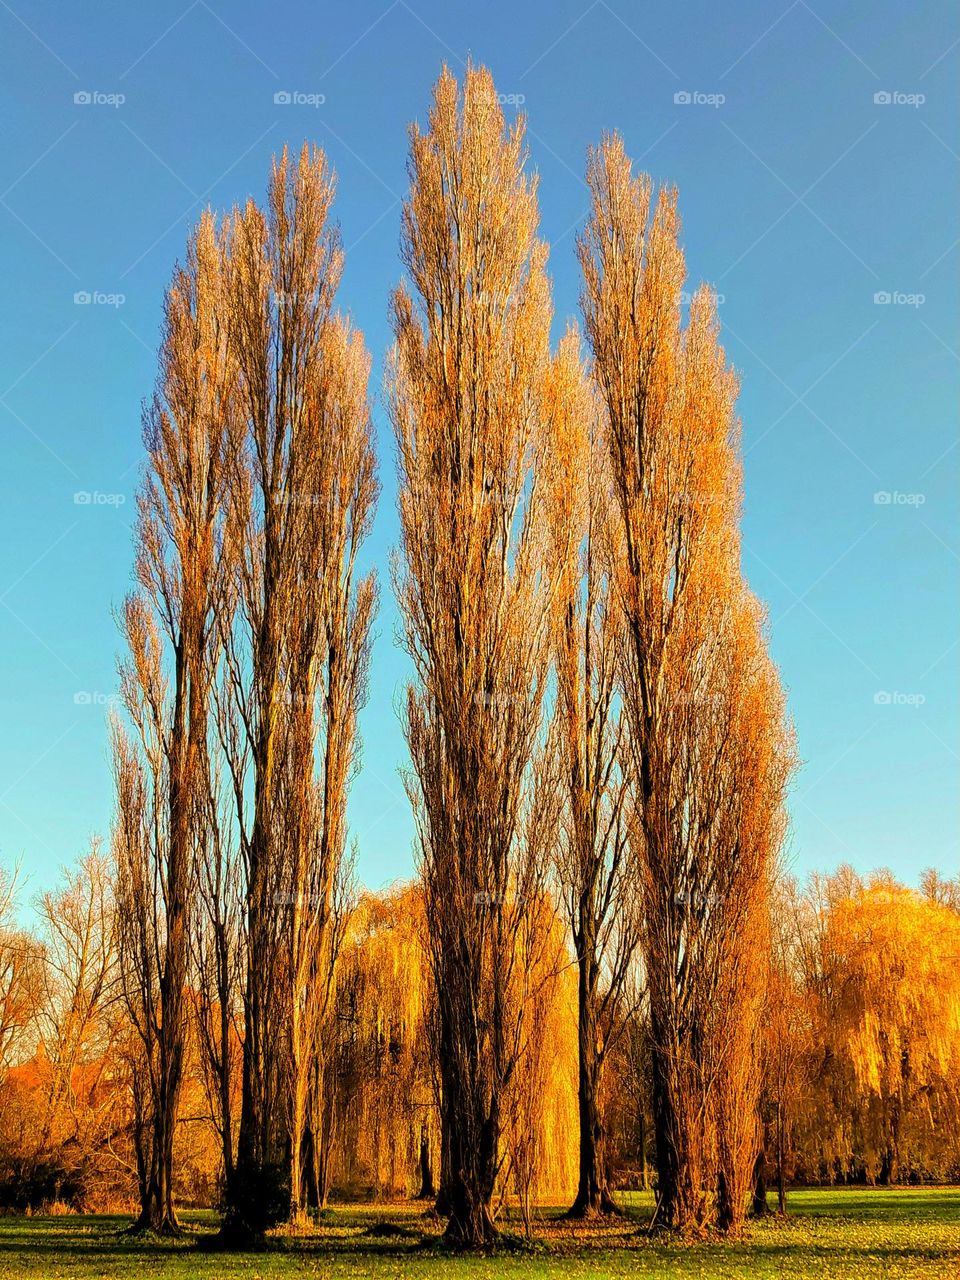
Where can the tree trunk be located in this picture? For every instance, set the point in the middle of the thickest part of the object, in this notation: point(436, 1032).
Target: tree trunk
point(642, 1144)
point(299, 1101)
point(889, 1167)
point(726, 1213)
point(669, 1210)
point(471, 1224)
point(226, 1101)
point(890, 1163)
point(316, 1201)
point(781, 1185)
point(593, 1198)
point(254, 1192)
point(681, 1202)
point(427, 1189)
point(442, 1205)
point(474, 1141)
point(157, 1214)
point(157, 1211)
point(759, 1206)
point(297, 1190)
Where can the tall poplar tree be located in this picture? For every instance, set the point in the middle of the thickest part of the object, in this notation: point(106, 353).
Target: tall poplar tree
point(467, 398)
point(170, 624)
point(711, 753)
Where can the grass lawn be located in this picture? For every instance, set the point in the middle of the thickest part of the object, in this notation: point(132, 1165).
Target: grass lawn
point(853, 1235)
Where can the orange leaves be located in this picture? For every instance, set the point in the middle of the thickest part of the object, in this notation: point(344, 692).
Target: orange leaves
point(703, 704)
point(470, 410)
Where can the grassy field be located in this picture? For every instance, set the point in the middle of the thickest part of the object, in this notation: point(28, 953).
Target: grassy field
point(840, 1235)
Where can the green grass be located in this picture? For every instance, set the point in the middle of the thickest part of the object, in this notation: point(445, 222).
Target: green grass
point(839, 1235)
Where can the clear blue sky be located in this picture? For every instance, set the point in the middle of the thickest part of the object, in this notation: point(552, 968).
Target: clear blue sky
point(802, 199)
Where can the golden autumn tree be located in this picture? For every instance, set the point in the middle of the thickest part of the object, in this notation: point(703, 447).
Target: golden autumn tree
point(594, 871)
point(744, 755)
point(79, 1013)
point(331, 615)
point(880, 968)
point(170, 627)
point(542, 1163)
point(21, 976)
point(702, 703)
point(466, 394)
point(785, 1045)
point(385, 1126)
point(303, 492)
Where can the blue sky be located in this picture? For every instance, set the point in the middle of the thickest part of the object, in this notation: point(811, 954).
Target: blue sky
point(806, 201)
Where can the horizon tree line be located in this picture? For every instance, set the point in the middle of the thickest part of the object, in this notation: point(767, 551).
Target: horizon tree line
point(859, 1055)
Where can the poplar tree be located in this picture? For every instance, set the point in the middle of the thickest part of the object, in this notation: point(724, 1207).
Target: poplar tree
point(711, 753)
point(467, 399)
point(170, 624)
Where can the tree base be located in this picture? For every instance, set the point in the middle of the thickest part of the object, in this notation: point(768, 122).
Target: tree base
point(233, 1238)
point(166, 1228)
point(475, 1232)
point(599, 1205)
point(299, 1223)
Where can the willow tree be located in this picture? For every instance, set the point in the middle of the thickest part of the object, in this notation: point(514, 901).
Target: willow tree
point(541, 1164)
point(303, 495)
point(466, 392)
point(383, 1095)
point(881, 977)
point(170, 628)
point(593, 867)
point(696, 718)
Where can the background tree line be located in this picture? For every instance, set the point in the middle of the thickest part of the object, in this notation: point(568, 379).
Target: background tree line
point(594, 964)
point(860, 1058)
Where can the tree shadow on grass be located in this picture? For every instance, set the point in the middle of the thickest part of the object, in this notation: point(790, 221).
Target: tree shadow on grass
point(852, 1241)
